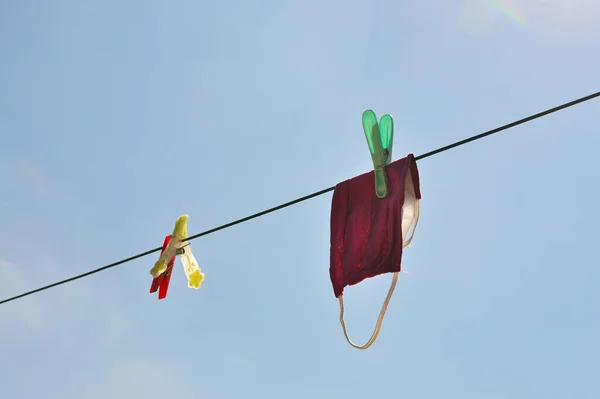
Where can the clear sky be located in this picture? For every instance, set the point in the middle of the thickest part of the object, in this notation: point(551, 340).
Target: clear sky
point(118, 116)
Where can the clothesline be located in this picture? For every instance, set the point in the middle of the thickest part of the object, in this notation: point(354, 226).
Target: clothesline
point(307, 197)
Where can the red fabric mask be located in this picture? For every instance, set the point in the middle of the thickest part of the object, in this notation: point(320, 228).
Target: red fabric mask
point(369, 233)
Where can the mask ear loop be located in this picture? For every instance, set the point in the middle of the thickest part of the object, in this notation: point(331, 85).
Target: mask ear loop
point(379, 319)
point(386, 302)
point(414, 225)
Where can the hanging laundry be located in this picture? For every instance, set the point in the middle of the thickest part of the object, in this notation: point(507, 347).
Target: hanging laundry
point(369, 229)
point(174, 245)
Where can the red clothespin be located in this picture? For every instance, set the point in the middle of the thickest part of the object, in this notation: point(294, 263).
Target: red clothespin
point(161, 283)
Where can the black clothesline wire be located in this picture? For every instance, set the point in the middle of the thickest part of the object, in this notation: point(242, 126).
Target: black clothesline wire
point(306, 197)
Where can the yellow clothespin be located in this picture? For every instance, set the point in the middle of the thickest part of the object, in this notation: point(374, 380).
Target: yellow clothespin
point(179, 246)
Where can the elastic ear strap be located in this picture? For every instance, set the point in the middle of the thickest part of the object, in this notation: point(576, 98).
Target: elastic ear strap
point(412, 233)
point(379, 319)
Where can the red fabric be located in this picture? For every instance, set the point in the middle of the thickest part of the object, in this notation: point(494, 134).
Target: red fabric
point(366, 231)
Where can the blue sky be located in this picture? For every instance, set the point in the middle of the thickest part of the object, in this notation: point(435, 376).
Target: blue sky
point(116, 117)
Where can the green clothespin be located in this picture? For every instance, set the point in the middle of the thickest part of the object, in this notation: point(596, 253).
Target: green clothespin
point(380, 137)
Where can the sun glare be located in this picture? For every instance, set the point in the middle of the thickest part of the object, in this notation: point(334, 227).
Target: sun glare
point(557, 15)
